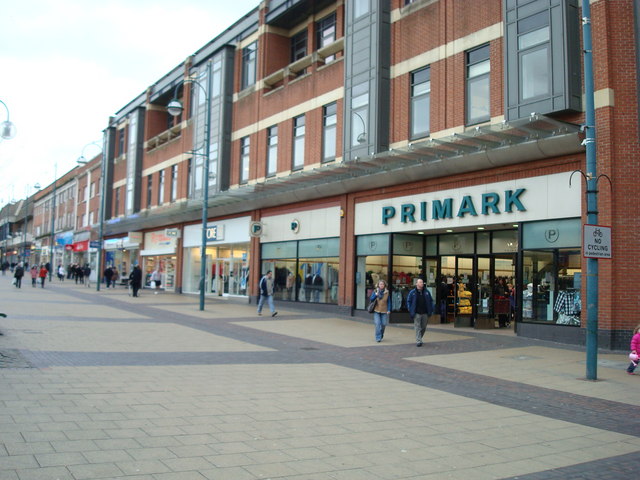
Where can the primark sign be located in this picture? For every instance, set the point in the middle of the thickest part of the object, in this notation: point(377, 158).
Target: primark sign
point(519, 200)
point(439, 209)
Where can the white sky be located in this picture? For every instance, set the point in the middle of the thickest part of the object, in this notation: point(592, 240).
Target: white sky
point(66, 66)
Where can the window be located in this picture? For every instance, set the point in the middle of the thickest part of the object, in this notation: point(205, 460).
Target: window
point(116, 203)
point(189, 179)
point(360, 7)
point(329, 120)
point(174, 183)
point(359, 114)
point(244, 159)
point(420, 102)
point(298, 142)
point(160, 187)
point(92, 190)
point(298, 46)
point(91, 218)
point(272, 151)
point(249, 65)
point(534, 52)
point(326, 34)
point(216, 78)
point(478, 93)
point(149, 190)
point(121, 141)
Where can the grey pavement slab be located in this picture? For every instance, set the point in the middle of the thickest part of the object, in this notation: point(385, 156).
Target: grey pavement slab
point(152, 388)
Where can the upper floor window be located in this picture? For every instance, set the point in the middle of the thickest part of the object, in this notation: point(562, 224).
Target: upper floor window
point(189, 179)
point(160, 187)
point(116, 202)
point(299, 45)
point(478, 92)
point(92, 190)
point(149, 190)
point(326, 33)
point(245, 146)
point(329, 138)
point(121, 141)
point(249, 55)
point(216, 78)
point(298, 142)
point(420, 102)
point(272, 150)
point(534, 52)
point(174, 183)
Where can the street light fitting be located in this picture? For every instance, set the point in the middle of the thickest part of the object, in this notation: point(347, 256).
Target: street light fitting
point(7, 129)
point(175, 107)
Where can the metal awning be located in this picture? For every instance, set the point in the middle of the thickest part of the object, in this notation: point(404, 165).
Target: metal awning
point(490, 146)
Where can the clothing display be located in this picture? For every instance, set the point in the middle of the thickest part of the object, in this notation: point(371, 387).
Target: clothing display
point(568, 306)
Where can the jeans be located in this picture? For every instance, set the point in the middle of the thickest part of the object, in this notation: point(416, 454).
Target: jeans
point(381, 320)
point(420, 325)
point(269, 299)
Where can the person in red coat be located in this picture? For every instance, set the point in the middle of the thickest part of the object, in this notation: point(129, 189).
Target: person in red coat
point(42, 275)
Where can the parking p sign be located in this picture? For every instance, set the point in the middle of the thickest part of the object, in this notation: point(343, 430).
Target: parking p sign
point(596, 241)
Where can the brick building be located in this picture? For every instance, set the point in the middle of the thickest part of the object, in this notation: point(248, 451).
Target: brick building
point(352, 141)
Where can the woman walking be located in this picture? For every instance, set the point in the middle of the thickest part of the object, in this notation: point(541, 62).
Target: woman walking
point(382, 309)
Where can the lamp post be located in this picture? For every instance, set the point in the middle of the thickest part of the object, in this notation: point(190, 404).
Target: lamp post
point(53, 220)
point(103, 175)
point(24, 233)
point(7, 128)
point(175, 108)
point(362, 137)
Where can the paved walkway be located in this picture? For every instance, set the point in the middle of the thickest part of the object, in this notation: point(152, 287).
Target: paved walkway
point(103, 385)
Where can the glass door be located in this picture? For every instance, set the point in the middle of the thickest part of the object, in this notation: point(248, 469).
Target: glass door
point(484, 290)
point(465, 288)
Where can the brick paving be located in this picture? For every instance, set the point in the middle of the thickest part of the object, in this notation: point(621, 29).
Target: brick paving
point(101, 385)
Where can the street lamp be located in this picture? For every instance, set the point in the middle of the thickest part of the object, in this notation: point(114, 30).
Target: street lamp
point(103, 182)
point(24, 233)
point(53, 220)
point(7, 128)
point(362, 136)
point(175, 108)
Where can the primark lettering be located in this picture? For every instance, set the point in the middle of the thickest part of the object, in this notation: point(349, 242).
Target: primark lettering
point(486, 204)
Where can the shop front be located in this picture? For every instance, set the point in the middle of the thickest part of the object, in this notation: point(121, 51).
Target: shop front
point(302, 249)
point(489, 254)
point(122, 254)
point(227, 257)
point(160, 256)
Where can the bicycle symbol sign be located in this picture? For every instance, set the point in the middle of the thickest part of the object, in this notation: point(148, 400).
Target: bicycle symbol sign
point(596, 241)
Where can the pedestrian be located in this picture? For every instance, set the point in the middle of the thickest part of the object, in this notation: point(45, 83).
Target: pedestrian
point(79, 274)
point(156, 280)
point(382, 309)
point(43, 274)
point(34, 275)
point(443, 293)
point(87, 274)
point(420, 305)
point(108, 274)
point(61, 273)
point(115, 277)
point(135, 280)
point(18, 273)
point(635, 349)
point(266, 293)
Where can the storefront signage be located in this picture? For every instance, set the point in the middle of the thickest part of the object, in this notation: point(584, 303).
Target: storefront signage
point(596, 241)
point(487, 204)
point(172, 232)
point(215, 233)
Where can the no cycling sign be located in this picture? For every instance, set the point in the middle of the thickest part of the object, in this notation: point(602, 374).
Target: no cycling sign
point(596, 241)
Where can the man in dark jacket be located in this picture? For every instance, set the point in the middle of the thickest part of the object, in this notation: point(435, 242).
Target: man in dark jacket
point(108, 275)
point(18, 273)
point(135, 280)
point(420, 305)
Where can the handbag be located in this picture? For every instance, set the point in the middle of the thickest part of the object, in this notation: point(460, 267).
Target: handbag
point(372, 305)
point(14, 281)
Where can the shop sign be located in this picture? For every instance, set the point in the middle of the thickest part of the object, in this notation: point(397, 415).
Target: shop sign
point(596, 241)
point(215, 233)
point(487, 204)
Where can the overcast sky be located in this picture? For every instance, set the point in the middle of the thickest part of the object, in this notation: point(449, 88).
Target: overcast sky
point(66, 66)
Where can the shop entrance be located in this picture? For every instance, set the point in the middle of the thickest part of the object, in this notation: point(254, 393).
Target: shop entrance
point(229, 276)
point(479, 289)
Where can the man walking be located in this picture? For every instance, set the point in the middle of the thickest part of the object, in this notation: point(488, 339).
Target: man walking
point(266, 293)
point(420, 305)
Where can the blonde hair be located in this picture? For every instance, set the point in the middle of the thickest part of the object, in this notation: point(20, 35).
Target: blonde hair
point(636, 330)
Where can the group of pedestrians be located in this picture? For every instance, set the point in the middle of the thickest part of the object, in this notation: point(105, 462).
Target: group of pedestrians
point(38, 274)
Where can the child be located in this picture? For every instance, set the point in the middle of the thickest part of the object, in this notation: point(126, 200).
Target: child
point(635, 348)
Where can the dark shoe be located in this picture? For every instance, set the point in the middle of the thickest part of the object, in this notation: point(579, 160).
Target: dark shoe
point(274, 314)
point(419, 344)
